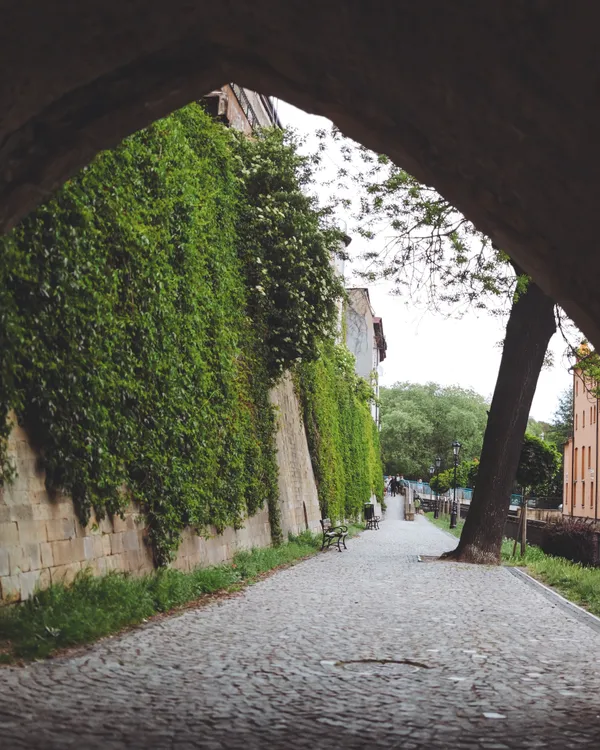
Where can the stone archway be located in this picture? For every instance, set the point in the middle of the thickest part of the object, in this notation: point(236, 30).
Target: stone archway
point(496, 104)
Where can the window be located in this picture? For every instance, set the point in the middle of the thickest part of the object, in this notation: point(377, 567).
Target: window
point(576, 387)
point(583, 462)
point(575, 465)
point(590, 457)
point(566, 493)
point(591, 418)
point(583, 494)
point(583, 419)
point(591, 495)
point(576, 421)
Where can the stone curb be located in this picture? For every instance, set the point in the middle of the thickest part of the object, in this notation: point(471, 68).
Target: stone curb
point(579, 613)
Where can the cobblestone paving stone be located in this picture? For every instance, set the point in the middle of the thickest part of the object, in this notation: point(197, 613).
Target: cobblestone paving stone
point(367, 648)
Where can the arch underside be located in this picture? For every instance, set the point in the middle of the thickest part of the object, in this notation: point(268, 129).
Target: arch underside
point(495, 104)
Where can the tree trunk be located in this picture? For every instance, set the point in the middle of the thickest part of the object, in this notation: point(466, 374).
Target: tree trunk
point(530, 327)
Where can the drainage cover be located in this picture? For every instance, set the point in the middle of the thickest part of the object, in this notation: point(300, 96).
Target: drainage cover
point(389, 667)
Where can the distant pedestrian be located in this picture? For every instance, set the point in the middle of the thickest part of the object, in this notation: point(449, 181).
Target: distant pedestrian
point(393, 486)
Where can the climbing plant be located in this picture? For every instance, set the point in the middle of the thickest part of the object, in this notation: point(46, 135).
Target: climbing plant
point(287, 247)
point(342, 436)
point(144, 316)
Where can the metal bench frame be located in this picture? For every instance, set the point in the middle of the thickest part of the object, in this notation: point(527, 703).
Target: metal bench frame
point(332, 533)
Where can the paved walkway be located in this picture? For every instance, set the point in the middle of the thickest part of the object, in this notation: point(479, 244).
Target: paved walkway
point(362, 649)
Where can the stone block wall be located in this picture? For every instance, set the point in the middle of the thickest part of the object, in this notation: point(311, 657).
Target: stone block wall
point(298, 498)
point(42, 541)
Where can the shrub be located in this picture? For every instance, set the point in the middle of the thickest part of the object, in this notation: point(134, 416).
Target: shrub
point(572, 538)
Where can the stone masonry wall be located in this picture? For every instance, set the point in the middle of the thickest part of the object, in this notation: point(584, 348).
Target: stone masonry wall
point(42, 541)
point(298, 498)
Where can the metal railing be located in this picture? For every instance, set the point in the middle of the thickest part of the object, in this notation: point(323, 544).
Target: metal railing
point(245, 105)
point(248, 109)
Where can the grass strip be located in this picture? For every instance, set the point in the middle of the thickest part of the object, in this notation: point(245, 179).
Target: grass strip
point(576, 582)
point(93, 607)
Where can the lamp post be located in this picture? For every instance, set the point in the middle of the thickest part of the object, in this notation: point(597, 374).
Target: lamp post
point(454, 513)
point(431, 470)
point(436, 510)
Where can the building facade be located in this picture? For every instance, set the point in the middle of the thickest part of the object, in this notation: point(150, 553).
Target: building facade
point(365, 339)
point(580, 486)
point(240, 108)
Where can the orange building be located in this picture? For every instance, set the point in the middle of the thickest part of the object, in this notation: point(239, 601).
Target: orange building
point(580, 490)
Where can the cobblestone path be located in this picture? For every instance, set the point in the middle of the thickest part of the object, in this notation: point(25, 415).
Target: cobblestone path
point(363, 649)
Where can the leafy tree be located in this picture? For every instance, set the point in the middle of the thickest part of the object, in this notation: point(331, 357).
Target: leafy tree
point(561, 428)
point(465, 473)
point(538, 463)
point(538, 428)
point(420, 422)
point(530, 326)
point(437, 252)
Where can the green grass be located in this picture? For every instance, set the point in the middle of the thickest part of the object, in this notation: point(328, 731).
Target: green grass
point(90, 608)
point(575, 582)
point(443, 522)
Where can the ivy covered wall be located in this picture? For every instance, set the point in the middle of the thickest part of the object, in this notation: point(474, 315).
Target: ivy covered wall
point(147, 310)
point(128, 344)
point(342, 436)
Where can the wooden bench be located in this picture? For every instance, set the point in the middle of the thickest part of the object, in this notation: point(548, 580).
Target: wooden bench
point(332, 533)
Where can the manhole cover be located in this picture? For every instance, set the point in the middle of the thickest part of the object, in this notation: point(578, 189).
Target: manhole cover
point(389, 667)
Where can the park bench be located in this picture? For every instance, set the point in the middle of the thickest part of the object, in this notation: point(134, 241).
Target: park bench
point(332, 533)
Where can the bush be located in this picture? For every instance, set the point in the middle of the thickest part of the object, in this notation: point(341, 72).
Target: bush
point(572, 538)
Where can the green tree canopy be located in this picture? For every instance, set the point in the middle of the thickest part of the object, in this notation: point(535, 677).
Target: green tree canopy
point(539, 428)
point(561, 428)
point(538, 464)
point(420, 422)
point(538, 472)
point(466, 473)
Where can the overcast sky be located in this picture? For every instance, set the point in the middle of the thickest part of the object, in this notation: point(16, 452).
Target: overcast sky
point(424, 346)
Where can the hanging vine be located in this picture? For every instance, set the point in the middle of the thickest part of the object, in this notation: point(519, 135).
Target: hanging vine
point(145, 313)
point(342, 436)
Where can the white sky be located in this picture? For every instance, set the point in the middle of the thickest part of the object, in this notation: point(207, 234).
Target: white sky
point(424, 346)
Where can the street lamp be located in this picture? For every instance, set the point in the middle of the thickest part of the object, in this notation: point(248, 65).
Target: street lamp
point(431, 470)
point(436, 510)
point(454, 513)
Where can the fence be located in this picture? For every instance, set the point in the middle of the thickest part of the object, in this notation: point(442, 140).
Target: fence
point(423, 489)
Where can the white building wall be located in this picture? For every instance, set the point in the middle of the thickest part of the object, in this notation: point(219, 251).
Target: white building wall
point(360, 335)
